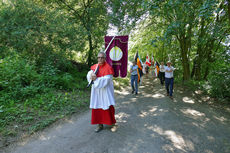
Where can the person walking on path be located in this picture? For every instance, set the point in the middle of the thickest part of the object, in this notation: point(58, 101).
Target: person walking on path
point(162, 73)
point(134, 77)
point(102, 94)
point(169, 80)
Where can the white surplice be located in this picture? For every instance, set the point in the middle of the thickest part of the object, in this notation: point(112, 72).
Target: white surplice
point(102, 92)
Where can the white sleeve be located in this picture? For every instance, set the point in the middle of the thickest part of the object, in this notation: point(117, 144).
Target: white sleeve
point(173, 68)
point(89, 75)
point(102, 82)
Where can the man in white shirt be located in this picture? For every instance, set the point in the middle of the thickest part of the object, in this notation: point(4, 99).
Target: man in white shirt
point(169, 79)
point(162, 73)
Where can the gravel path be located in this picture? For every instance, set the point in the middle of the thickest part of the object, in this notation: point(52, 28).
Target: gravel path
point(147, 123)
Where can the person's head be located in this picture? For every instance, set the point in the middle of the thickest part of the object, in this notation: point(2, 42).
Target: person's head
point(101, 57)
point(169, 63)
point(162, 63)
point(134, 62)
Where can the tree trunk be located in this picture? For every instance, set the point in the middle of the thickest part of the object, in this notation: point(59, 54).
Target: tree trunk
point(206, 72)
point(193, 69)
point(229, 11)
point(198, 59)
point(90, 49)
point(162, 53)
point(196, 70)
point(208, 57)
point(184, 54)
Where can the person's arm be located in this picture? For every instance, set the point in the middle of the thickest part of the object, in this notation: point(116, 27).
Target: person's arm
point(131, 69)
point(169, 69)
point(166, 69)
point(102, 82)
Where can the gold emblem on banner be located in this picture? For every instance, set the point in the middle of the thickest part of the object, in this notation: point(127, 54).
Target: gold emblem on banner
point(115, 53)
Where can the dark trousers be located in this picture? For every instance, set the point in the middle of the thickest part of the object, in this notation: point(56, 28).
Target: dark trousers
point(134, 79)
point(169, 85)
point(162, 77)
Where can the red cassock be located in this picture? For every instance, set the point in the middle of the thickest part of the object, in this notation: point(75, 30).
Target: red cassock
point(100, 116)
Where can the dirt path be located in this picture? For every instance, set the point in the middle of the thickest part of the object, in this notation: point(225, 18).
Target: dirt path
point(149, 122)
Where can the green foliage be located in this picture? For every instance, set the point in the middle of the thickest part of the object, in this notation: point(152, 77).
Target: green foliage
point(120, 83)
point(38, 34)
point(18, 78)
point(92, 19)
point(219, 78)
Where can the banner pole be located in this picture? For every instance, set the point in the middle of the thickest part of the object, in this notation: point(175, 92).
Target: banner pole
point(109, 44)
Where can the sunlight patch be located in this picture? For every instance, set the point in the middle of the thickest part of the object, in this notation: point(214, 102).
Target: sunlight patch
point(192, 112)
point(211, 138)
point(42, 137)
point(126, 102)
point(222, 119)
point(153, 109)
point(198, 92)
point(120, 117)
point(208, 151)
point(122, 92)
point(143, 114)
point(176, 139)
point(168, 148)
point(148, 95)
point(188, 100)
point(158, 95)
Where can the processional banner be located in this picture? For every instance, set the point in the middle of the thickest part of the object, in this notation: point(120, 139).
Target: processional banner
point(117, 54)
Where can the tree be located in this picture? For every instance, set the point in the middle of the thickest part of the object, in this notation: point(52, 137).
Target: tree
point(213, 29)
point(91, 15)
point(39, 34)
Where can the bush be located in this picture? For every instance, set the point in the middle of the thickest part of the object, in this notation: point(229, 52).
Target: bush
point(219, 82)
point(18, 78)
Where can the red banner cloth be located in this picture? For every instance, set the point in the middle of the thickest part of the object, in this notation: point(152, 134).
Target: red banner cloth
point(117, 54)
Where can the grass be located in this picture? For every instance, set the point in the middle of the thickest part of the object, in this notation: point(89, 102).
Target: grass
point(120, 83)
point(40, 111)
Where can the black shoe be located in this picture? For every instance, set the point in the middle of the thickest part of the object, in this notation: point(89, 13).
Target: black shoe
point(136, 93)
point(99, 128)
point(132, 91)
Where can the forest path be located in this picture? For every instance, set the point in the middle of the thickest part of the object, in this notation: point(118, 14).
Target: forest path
point(147, 122)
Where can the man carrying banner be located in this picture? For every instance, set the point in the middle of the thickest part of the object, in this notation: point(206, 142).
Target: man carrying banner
point(140, 69)
point(102, 94)
point(134, 77)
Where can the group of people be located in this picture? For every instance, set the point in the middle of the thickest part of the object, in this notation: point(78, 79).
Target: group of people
point(102, 92)
point(165, 75)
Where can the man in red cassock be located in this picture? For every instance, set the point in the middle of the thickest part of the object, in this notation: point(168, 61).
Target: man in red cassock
point(102, 94)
